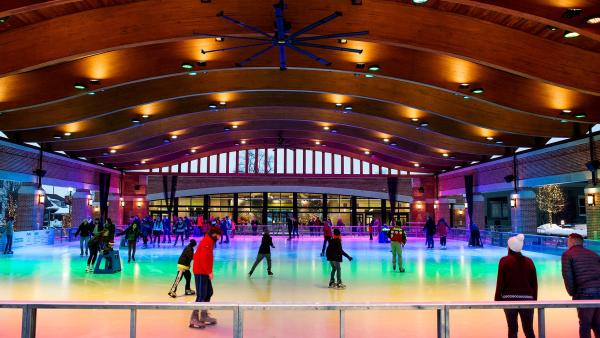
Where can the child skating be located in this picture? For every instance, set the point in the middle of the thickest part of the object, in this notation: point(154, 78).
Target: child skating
point(398, 240)
point(183, 270)
point(264, 252)
point(334, 256)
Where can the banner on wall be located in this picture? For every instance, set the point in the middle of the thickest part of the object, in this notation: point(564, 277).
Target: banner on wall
point(23, 239)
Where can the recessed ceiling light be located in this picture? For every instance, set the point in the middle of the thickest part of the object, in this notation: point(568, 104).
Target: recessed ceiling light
point(235, 126)
point(551, 28)
point(57, 137)
point(489, 138)
point(338, 104)
point(95, 81)
point(219, 39)
point(212, 106)
point(360, 65)
point(564, 121)
point(424, 124)
point(243, 141)
point(393, 144)
point(136, 120)
point(92, 93)
point(570, 13)
point(334, 131)
point(445, 154)
point(193, 73)
point(166, 140)
point(499, 142)
point(222, 103)
point(374, 68)
point(414, 119)
point(67, 134)
point(367, 152)
point(570, 35)
point(419, 2)
point(4, 19)
point(416, 165)
point(113, 151)
point(368, 76)
point(386, 140)
point(566, 111)
point(325, 128)
point(342, 41)
point(348, 108)
point(580, 115)
point(80, 86)
point(466, 97)
point(143, 161)
point(593, 20)
point(464, 85)
point(187, 65)
point(146, 116)
point(226, 128)
point(193, 151)
point(477, 90)
point(174, 137)
point(317, 142)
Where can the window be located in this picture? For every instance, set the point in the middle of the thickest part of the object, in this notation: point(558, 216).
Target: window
point(327, 160)
point(289, 158)
point(581, 205)
point(318, 162)
point(223, 163)
point(299, 161)
point(232, 165)
point(194, 166)
point(242, 161)
point(280, 161)
point(185, 167)
point(251, 161)
point(309, 161)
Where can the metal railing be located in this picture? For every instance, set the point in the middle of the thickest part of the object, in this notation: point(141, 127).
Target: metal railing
point(29, 316)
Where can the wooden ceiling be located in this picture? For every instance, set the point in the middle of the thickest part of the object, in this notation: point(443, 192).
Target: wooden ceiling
point(530, 75)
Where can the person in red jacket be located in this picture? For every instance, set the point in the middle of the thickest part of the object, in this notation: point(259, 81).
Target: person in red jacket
point(327, 235)
point(517, 281)
point(398, 240)
point(203, 274)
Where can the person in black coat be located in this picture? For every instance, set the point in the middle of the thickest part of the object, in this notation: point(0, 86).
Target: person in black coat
point(581, 272)
point(334, 253)
point(183, 270)
point(84, 231)
point(98, 241)
point(429, 232)
point(264, 252)
point(132, 233)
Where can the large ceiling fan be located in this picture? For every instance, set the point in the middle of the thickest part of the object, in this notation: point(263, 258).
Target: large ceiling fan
point(281, 38)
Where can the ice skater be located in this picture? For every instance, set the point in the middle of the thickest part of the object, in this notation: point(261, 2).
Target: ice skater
point(157, 230)
point(442, 228)
point(264, 252)
point(99, 240)
point(326, 236)
point(334, 256)
point(225, 225)
point(517, 281)
point(9, 232)
point(203, 275)
point(84, 231)
point(132, 233)
point(166, 229)
point(179, 231)
point(429, 229)
point(398, 240)
point(183, 270)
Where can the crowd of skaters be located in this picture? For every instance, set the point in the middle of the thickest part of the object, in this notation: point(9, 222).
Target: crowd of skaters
point(516, 278)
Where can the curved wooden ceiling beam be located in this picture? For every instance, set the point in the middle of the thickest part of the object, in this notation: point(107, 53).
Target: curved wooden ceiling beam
point(155, 148)
point(444, 72)
point(375, 93)
point(12, 7)
point(273, 100)
point(257, 128)
point(501, 47)
point(157, 126)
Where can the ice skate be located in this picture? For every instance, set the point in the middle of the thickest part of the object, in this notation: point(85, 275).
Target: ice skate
point(340, 286)
point(332, 284)
point(190, 292)
point(195, 322)
point(270, 273)
point(206, 319)
point(402, 270)
point(172, 294)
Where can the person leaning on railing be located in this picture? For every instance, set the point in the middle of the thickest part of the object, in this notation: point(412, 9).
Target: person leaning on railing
point(581, 273)
point(517, 281)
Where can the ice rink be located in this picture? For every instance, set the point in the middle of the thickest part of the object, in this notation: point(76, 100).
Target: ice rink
point(457, 274)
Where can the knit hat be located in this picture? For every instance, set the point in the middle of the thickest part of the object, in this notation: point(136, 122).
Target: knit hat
point(515, 243)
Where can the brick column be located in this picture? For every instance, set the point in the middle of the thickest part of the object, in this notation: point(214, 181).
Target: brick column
point(80, 207)
point(115, 210)
point(478, 208)
point(592, 213)
point(524, 215)
point(30, 212)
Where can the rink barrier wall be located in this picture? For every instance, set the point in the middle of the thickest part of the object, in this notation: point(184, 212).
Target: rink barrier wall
point(29, 311)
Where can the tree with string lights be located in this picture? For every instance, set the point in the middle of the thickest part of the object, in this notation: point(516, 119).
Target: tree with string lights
point(551, 199)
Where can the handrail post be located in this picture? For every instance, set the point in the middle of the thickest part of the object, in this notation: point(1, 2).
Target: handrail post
point(133, 323)
point(542, 322)
point(238, 322)
point(342, 323)
point(443, 319)
point(28, 322)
